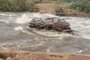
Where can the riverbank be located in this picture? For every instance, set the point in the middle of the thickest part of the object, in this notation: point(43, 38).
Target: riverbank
point(7, 54)
point(61, 8)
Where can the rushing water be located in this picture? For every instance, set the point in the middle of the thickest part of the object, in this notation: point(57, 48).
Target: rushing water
point(14, 34)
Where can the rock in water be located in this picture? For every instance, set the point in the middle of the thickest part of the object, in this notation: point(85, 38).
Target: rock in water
point(50, 24)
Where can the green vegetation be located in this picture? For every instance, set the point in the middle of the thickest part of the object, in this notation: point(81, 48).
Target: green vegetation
point(82, 6)
point(79, 5)
point(29, 5)
point(17, 5)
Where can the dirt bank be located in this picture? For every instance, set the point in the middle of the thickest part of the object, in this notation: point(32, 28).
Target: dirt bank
point(53, 8)
point(11, 54)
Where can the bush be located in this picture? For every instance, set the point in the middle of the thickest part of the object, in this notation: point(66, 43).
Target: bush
point(17, 5)
point(31, 5)
point(83, 6)
point(59, 10)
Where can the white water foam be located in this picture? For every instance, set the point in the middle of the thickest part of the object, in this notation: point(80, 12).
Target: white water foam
point(4, 21)
point(24, 19)
point(2, 14)
point(22, 29)
point(78, 24)
point(19, 28)
point(81, 25)
point(27, 18)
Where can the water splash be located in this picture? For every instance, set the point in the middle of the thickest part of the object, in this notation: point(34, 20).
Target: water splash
point(81, 25)
point(19, 28)
point(23, 19)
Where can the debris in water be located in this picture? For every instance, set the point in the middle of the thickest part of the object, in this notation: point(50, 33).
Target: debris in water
point(52, 23)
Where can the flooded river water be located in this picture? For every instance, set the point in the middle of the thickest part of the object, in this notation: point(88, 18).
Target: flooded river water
point(13, 34)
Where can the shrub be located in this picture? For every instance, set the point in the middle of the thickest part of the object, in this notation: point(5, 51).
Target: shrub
point(83, 6)
point(17, 5)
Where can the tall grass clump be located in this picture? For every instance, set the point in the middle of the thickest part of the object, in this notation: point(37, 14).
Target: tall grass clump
point(17, 5)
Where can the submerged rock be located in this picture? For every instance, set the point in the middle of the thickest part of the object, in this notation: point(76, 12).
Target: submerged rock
point(53, 23)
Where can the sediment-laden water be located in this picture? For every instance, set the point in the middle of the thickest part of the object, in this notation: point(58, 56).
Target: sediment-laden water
point(14, 34)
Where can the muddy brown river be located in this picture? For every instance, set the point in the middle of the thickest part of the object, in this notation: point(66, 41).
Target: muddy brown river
point(15, 34)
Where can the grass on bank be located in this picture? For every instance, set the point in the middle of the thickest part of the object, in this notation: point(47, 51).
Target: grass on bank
point(29, 5)
point(17, 5)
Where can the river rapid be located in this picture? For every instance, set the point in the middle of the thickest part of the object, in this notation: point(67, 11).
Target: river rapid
point(14, 33)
